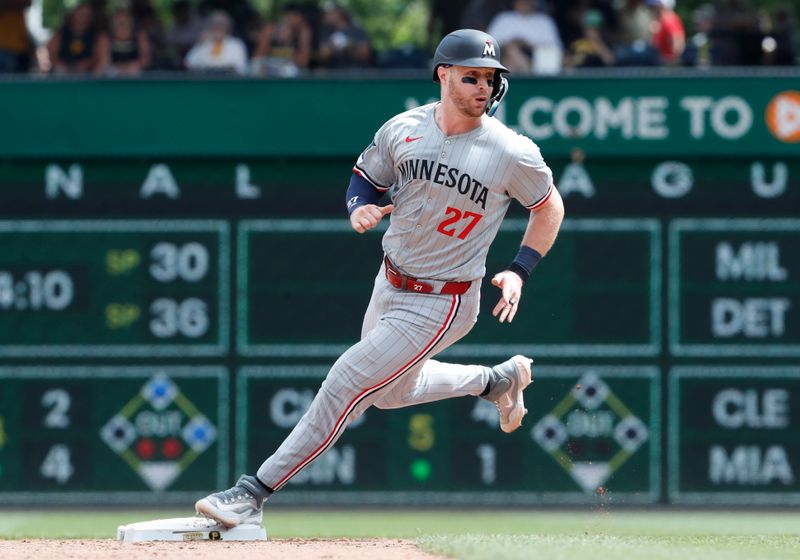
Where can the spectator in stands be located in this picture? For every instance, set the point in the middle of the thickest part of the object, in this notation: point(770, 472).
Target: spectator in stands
point(284, 47)
point(634, 42)
point(217, 49)
point(529, 37)
point(242, 14)
point(343, 44)
point(783, 31)
point(737, 34)
point(700, 50)
point(444, 17)
point(100, 17)
point(184, 32)
point(124, 50)
point(15, 45)
point(73, 48)
point(148, 20)
point(610, 28)
point(477, 14)
point(568, 15)
point(584, 44)
point(669, 36)
point(635, 22)
point(251, 34)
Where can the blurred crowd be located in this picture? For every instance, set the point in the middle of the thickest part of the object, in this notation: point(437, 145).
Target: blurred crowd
point(128, 37)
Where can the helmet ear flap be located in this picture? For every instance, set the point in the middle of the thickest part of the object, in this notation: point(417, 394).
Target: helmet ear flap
point(499, 91)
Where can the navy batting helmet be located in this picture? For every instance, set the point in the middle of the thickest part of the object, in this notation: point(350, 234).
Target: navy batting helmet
point(473, 48)
point(467, 47)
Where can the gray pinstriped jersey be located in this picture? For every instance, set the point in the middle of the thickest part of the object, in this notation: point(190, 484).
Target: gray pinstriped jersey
point(450, 192)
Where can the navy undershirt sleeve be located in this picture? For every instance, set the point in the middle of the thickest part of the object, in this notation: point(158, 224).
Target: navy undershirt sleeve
point(360, 192)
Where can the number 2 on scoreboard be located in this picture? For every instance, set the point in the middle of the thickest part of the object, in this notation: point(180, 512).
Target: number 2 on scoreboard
point(447, 227)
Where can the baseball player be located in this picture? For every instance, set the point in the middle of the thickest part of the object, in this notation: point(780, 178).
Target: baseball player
point(451, 171)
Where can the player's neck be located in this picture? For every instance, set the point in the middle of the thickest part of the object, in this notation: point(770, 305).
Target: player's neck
point(451, 121)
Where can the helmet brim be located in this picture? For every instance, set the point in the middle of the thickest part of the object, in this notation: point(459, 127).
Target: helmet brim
point(477, 62)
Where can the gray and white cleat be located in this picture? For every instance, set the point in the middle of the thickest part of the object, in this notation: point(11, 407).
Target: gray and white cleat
point(508, 381)
point(240, 505)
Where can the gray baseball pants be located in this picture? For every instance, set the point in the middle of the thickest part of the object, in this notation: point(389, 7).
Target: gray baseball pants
point(390, 367)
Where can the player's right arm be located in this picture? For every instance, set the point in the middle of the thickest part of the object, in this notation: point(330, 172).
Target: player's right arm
point(362, 203)
point(372, 177)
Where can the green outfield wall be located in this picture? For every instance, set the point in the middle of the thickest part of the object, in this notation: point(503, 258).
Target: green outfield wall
point(658, 116)
point(177, 275)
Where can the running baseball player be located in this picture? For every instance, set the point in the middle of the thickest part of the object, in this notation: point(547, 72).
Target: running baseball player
point(451, 171)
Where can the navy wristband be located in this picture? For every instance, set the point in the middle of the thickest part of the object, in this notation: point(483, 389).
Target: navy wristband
point(360, 192)
point(525, 261)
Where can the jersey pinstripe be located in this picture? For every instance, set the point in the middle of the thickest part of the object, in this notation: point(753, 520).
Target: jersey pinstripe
point(450, 192)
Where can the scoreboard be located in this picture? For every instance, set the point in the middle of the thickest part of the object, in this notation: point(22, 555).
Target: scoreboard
point(89, 411)
point(174, 288)
point(589, 309)
point(733, 435)
point(734, 287)
point(112, 434)
point(86, 291)
point(114, 288)
point(587, 425)
point(156, 353)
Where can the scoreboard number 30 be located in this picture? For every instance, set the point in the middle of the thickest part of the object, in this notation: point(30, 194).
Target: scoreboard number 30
point(169, 262)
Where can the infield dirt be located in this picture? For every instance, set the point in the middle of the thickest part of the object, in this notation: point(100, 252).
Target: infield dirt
point(300, 549)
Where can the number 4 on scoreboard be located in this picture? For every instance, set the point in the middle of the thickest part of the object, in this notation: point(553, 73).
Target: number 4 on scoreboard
point(57, 464)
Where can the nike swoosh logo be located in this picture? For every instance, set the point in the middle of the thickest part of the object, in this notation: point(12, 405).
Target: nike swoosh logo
point(409, 139)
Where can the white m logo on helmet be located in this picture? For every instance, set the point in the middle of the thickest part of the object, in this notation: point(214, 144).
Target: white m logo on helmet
point(488, 48)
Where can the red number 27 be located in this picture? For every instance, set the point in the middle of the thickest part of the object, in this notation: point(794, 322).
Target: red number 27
point(446, 227)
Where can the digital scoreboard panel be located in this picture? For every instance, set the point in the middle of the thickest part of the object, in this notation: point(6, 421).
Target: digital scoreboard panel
point(114, 288)
point(735, 287)
point(592, 435)
point(303, 286)
point(146, 273)
point(143, 434)
point(733, 435)
point(87, 307)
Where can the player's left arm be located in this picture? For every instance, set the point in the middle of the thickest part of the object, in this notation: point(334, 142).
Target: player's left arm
point(530, 181)
point(540, 235)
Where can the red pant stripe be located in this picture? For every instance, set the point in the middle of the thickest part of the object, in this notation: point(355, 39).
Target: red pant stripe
point(366, 392)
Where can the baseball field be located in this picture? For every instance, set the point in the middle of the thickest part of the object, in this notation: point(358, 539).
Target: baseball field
point(411, 535)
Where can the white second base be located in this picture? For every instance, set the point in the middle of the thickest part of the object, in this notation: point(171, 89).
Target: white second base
point(188, 529)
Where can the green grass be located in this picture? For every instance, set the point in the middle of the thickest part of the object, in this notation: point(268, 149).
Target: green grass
point(573, 535)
